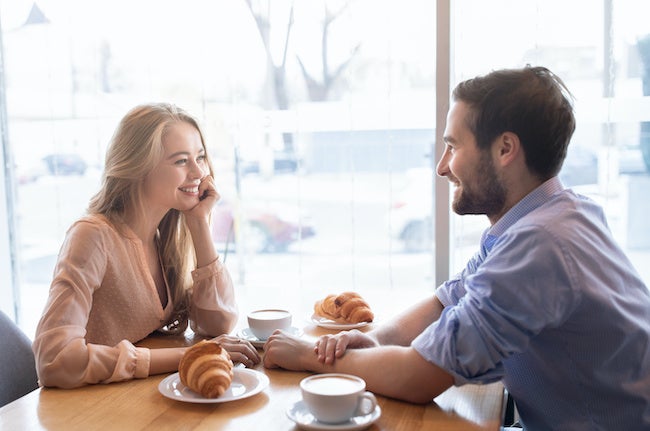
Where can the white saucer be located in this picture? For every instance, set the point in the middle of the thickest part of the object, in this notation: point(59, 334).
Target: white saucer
point(300, 415)
point(324, 322)
point(247, 334)
point(245, 383)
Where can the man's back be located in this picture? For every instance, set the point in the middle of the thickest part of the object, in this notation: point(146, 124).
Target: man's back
point(587, 361)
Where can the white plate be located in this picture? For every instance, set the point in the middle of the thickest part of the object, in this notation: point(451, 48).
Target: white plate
point(247, 334)
point(245, 383)
point(300, 415)
point(324, 322)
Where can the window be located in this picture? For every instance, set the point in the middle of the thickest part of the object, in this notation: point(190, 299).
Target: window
point(602, 65)
point(324, 159)
point(312, 149)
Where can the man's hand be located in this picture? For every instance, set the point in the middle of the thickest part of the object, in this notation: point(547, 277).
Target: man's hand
point(286, 351)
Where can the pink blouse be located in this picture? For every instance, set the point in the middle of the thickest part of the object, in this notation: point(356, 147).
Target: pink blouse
point(103, 299)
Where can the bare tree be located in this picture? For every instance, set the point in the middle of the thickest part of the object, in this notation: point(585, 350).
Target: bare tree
point(319, 89)
point(278, 73)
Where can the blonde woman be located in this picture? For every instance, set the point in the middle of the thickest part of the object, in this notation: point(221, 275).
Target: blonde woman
point(141, 260)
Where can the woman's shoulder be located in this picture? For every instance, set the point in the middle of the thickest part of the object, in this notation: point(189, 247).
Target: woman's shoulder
point(92, 222)
point(94, 225)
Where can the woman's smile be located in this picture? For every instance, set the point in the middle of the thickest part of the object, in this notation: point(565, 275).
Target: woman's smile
point(190, 189)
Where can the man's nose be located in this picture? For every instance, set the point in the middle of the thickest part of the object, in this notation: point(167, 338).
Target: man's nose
point(442, 168)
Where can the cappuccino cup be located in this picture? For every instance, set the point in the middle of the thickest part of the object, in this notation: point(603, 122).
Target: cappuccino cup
point(336, 398)
point(263, 323)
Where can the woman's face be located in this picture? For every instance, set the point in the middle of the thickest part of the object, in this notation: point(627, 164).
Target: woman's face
point(174, 182)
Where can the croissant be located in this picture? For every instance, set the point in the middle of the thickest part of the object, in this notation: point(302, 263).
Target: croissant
point(353, 308)
point(327, 307)
point(206, 369)
point(348, 306)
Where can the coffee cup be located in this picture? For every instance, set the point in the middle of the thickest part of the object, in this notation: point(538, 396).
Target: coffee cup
point(335, 398)
point(263, 323)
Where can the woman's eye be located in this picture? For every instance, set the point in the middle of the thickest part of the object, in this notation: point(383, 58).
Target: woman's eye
point(201, 158)
point(180, 162)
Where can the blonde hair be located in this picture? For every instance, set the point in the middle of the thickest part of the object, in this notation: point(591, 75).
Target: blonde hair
point(135, 149)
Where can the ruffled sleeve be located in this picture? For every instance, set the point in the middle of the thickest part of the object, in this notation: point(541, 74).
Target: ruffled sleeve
point(213, 308)
point(63, 356)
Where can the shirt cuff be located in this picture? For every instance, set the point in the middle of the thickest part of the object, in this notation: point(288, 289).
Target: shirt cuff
point(142, 362)
point(207, 271)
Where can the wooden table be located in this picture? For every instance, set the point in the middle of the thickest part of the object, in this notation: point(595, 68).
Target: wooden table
point(138, 405)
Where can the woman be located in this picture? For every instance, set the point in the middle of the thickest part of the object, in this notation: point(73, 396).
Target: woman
point(142, 260)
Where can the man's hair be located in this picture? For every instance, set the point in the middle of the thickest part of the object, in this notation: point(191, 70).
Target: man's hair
point(531, 102)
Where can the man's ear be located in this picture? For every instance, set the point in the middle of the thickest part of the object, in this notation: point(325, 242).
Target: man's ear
point(508, 148)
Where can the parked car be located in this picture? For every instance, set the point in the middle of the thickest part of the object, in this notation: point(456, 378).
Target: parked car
point(410, 214)
point(268, 230)
point(630, 160)
point(65, 164)
point(29, 172)
point(284, 162)
point(580, 166)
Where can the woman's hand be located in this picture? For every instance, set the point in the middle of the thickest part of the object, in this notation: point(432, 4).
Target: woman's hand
point(197, 219)
point(331, 347)
point(240, 350)
point(208, 197)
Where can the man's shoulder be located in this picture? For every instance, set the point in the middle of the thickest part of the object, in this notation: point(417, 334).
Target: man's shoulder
point(565, 207)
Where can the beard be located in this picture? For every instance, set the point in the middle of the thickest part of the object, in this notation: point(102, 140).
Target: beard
point(486, 196)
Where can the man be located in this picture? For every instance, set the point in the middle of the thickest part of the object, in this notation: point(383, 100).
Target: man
point(549, 305)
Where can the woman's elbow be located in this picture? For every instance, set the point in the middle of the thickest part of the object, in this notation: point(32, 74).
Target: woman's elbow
point(51, 376)
point(214, 324)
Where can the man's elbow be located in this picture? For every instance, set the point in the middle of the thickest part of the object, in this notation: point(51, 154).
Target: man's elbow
point(425, 382)
point(420, 393)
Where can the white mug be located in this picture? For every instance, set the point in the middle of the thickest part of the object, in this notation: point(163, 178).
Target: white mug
point(336, 398)
point(263, 323)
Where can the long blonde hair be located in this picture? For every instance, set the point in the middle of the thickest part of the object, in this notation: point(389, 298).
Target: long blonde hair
point(135, 149)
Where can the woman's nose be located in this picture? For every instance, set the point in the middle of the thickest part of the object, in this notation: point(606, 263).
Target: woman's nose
point(196, 171)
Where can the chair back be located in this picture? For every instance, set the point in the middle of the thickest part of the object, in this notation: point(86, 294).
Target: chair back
point(18, 371)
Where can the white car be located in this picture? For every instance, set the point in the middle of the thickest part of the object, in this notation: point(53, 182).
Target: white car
point(409, 219)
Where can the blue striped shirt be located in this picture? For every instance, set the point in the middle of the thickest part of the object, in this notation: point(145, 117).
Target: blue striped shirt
point(551, 306)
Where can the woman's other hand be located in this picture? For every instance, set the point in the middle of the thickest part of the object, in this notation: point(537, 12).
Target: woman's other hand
point(330, 347)
point(240, 350)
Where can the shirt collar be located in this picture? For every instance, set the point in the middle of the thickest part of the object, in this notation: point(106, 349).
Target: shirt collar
point(530, 202)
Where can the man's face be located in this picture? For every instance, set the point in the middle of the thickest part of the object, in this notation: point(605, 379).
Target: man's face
point(478, 188)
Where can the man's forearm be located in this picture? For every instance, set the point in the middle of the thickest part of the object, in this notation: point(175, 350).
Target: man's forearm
point(403, 329)
point(393, 371)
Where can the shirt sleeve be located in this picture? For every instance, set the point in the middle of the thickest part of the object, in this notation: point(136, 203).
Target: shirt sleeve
point(450, 292)
point(523, 286)
point(63, 357)
point(213, 307)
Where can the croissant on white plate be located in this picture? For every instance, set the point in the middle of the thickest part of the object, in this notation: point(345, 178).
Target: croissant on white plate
point(349, 307)
point(206, 369)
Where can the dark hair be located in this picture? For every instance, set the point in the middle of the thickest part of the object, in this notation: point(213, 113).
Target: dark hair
point(531, 102)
